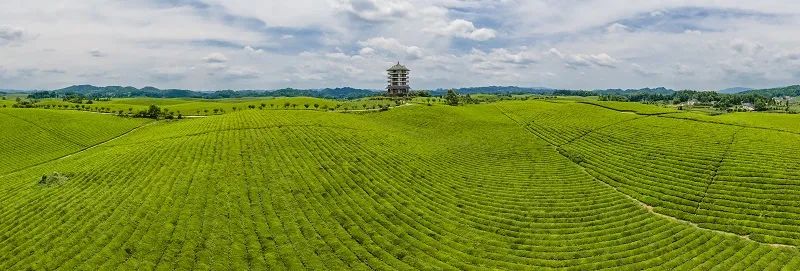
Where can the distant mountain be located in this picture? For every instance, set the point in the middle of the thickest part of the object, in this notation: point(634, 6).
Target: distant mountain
point(793, 91)
point(121, 92)
point(497, 90)
point(734, 90)
point(621, 92)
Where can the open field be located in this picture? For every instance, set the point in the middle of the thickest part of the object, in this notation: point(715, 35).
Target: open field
point(568, 184)
point(203, 107)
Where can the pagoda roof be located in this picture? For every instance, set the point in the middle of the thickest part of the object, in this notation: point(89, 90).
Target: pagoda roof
point(398, 67)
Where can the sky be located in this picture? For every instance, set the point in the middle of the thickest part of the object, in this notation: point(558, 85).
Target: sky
point(270, 44)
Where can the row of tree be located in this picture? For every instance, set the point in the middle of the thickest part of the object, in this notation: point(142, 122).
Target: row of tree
point(709, 98)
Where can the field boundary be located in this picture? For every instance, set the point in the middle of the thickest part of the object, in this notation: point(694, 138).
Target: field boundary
point(601, 128)
point(646, 207)
point(717, 166)
point(667, 115)
point(626, 111)
point(732, 124)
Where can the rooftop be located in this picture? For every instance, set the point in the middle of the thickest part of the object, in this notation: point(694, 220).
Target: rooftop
point(398, 67)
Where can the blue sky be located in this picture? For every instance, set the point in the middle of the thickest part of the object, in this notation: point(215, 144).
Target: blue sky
point(268, 44)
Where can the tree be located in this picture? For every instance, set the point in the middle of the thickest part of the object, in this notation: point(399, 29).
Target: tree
point(316, 106)
point(306, 105)
point(153, 112)
point(451, 97)
point(761, 105)
point(216, 110)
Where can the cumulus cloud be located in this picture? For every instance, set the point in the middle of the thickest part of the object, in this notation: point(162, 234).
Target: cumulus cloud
point(215, 58)
point(390, 46)
point(585, 60)
point(464, 29)
point(448, 43)
point(375, 10)
point(250, 49)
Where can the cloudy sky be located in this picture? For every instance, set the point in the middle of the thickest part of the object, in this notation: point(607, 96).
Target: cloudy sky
point(268, 44)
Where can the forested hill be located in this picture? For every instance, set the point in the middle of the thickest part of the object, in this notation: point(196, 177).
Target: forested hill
point(776, 92)
point(121, 92)
point(658, 90)
point(497, 90)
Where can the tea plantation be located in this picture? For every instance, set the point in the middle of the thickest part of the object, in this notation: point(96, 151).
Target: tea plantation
point(522, 185)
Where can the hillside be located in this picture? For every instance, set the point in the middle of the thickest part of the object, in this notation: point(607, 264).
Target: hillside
point(793, 91)
point(36, 136)
point(127, 92)
point(510, 185)
point(496, 90)
point(734, 90)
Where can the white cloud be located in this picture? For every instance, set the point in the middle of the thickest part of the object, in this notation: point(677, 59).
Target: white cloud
point(585, 60)
point(447, 43)
point(366, 51)
point(375, 10)
point(215, 58)
point(250, 49)
point(464, 29)
point(392, 47)
point(617, 28)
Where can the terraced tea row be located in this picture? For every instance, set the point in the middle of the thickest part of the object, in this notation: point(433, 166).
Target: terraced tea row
point(731, 178)
point(35, 136)
point(412, 188)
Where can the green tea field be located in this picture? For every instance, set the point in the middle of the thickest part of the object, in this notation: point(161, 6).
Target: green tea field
point(510, 185)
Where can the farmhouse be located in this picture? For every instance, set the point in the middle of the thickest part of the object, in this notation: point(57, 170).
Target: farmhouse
point(749, 106)
point(398, 81)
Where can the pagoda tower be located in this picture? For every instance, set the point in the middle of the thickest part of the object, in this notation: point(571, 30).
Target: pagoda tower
point(398, 81)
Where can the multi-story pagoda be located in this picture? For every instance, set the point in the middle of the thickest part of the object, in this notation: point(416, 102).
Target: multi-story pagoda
point(398, 81)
